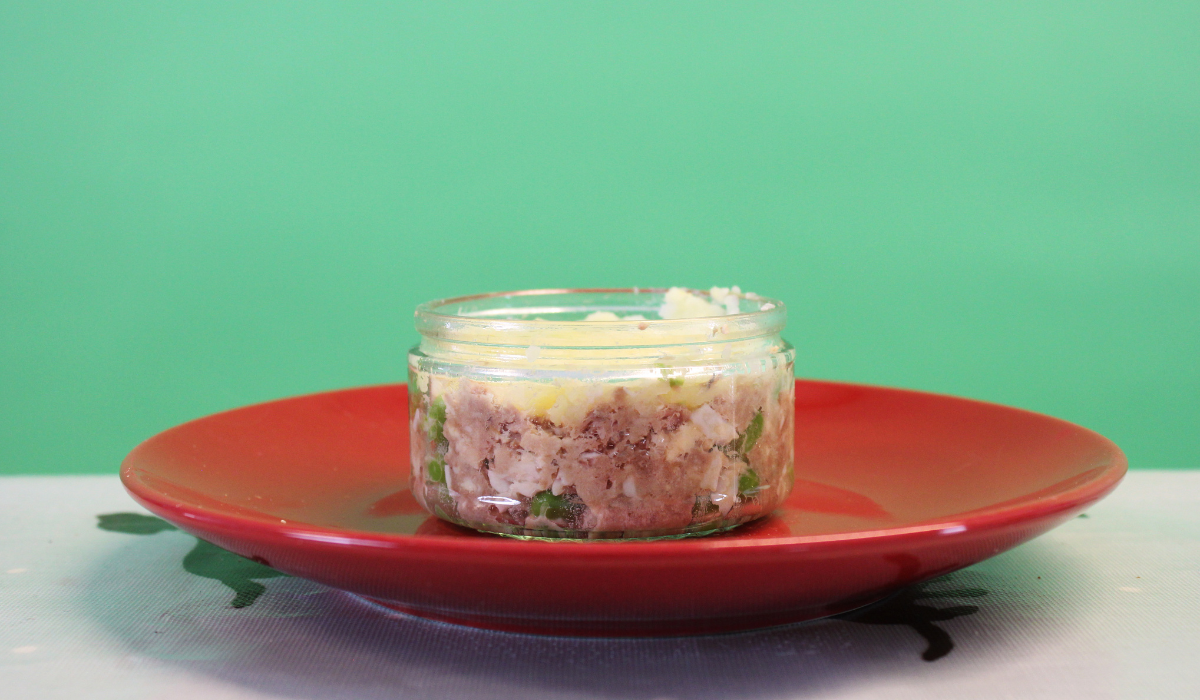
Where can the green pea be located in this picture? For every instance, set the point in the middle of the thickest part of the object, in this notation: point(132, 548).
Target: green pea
point(436, 471)
point(675, 382)
point(545, 503)
point(437, 410)
point(747, 482)
point(437, 420)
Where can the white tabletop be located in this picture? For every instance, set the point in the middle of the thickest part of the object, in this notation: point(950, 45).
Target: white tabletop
point(1103, 607)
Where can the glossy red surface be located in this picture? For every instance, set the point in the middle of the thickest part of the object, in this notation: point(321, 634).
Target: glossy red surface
point(893, 487)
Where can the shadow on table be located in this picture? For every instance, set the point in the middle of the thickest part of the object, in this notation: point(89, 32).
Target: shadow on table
point(300, 639)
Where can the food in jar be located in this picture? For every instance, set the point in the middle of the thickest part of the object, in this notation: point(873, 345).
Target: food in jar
point(682, 449)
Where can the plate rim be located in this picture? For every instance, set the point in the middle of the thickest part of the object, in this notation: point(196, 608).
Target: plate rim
point(1027, 508)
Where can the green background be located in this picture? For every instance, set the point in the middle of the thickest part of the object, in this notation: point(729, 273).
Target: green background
point(209, 204)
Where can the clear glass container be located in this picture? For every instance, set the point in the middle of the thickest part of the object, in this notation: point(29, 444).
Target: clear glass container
point(527, 419)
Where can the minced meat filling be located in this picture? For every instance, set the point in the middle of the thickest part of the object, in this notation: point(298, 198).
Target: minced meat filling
point(635, 458)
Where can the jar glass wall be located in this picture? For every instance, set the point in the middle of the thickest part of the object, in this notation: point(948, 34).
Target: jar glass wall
point(528, 419)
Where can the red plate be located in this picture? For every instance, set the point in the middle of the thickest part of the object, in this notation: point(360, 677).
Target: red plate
point(893, 487)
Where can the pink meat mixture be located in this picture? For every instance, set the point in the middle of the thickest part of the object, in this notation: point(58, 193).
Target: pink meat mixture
point(618, 469)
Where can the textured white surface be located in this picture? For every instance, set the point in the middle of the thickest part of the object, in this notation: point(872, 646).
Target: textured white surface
point(86, 613)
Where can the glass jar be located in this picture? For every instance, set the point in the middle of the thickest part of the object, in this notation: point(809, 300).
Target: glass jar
point(528, 419)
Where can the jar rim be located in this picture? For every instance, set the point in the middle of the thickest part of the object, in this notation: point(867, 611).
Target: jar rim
point(445, 319)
